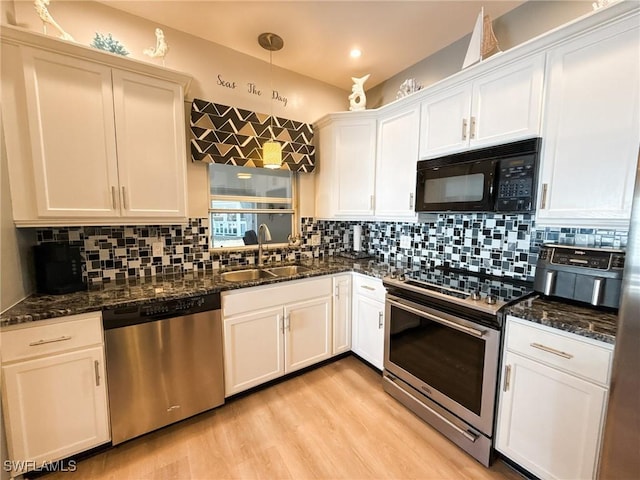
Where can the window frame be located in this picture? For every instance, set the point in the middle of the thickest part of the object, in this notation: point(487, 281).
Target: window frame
point(294, 211)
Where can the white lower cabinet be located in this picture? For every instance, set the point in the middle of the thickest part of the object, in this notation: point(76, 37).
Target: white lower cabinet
point(342, 313)
point(367, 340)
point(54, 392)
point(273, 330)
point(253, 349)
point(307, 333)
point(552, 401)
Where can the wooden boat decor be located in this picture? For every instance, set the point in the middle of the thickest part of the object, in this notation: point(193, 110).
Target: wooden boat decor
point(483, 41)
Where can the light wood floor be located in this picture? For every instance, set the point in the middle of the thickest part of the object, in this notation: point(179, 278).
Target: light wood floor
point(334, 422)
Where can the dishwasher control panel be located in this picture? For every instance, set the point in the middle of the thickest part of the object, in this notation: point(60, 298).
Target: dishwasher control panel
point(158, 310)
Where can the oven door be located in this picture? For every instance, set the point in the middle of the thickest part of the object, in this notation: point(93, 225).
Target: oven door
point(451, 360)
point(463, 187)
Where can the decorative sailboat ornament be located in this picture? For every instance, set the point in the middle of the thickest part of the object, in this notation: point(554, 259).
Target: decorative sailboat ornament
point(483, 42)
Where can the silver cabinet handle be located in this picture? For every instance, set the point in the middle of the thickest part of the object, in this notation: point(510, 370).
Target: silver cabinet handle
point(543, 202)
point(125, 201)
point(467, 434)
point(472, 133)
point(410, 200)
point(549, 282)
point(443, 321)
point(380, 322)
point(281, 323)
point(596, 294)
point(371, 202)
point(114, 197)
point(367, 287)
point(464, 129)
point(287, 321)
point(507, 378)
point(544, 348)
point(63, 338)
point(96, 365)
point(337, 293)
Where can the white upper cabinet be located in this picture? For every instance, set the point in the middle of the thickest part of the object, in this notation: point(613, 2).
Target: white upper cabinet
point(346, 171)
point(500, 106)
point(397, 155)
point(445, 121)
point(150, 136)
point(72, 144)
point(91, 137)
point(591, 128)
point(506, 104)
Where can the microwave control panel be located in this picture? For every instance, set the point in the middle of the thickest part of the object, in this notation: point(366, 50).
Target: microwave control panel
point(516, 184)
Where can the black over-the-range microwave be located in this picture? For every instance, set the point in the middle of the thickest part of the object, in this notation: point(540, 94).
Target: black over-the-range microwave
point(501, 178)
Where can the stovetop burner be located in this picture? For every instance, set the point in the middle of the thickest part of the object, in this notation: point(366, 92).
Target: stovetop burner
point(473, 290)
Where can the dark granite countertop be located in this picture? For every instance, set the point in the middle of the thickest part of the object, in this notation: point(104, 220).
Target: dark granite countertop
point(584, 321)
point(148, 290)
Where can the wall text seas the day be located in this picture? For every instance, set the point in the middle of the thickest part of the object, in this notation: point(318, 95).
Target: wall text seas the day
point(252, 89)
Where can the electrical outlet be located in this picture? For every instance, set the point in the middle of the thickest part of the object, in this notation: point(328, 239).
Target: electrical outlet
point(315, 240)
point(405, 241)
point(157, 249)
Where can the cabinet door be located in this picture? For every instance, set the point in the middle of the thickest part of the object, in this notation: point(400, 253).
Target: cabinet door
point(341, 314)
point(326, 174)
point(253, 349)
point(506, 104)
point(56, 406)
point(368, 330)
point(308, 336)
point(151, 143)
point(70, 112)
point(444, 124)
point(396, 164)
point(592, 130)
point(549, 422)
point(355, 163)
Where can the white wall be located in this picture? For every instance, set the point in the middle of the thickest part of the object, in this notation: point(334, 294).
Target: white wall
point(528, 21)
point(308, 99)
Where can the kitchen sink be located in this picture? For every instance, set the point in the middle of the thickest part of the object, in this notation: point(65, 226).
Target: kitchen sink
point(249, 274)
point(288, 270)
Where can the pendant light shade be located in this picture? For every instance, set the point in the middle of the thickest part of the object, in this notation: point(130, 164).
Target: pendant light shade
point(272, 149)
point(272, 154)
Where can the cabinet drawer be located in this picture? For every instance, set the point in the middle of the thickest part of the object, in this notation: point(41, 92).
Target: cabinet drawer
point(369, 287)
point(559, 350)
point(58, 335)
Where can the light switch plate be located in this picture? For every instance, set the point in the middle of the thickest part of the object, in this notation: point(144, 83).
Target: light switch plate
point(315, 239)
point(157, 249)
point(405, 241)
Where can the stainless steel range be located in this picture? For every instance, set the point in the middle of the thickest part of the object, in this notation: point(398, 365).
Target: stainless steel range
point(442, 348)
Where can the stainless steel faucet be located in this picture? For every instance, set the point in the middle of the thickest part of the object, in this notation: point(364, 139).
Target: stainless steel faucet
point(266, 236)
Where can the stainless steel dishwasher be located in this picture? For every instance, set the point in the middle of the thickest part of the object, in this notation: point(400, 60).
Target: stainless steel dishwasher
point(164, 363)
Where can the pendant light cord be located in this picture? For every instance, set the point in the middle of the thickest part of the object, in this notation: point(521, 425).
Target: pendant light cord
point(271, 86)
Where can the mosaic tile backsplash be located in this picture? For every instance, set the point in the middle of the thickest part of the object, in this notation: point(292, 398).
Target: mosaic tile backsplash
point(504, 245)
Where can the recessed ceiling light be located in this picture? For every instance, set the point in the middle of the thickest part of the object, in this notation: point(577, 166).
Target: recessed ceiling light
point(355, 53)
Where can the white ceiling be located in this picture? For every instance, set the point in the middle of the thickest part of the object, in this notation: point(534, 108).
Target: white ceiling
point(318, 35)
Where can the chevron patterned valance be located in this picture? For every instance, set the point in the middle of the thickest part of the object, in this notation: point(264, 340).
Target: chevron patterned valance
point(233, 136)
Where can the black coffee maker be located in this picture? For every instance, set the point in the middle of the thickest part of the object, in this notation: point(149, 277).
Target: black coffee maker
point(58, 268)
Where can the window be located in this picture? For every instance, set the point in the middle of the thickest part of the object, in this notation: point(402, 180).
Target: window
point(242, 198)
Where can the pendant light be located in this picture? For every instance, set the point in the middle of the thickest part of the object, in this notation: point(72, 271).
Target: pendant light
point(271, 150)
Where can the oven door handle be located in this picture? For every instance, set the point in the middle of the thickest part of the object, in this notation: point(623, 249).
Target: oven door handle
point(463, 328)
